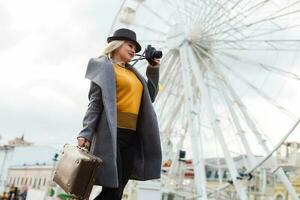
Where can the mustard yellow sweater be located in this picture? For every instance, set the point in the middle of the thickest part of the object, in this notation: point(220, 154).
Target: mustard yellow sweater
point(129, 94)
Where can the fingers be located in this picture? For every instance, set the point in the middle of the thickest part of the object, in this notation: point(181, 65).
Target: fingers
point(157, 61)
point(82, 142)
point(87, 145)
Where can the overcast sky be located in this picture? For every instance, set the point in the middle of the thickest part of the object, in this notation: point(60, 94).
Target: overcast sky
point(44, 49)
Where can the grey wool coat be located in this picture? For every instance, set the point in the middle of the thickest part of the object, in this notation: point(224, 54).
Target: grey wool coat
point(100, 124)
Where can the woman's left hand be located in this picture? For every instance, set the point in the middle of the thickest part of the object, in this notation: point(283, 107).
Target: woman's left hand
point(157, 65)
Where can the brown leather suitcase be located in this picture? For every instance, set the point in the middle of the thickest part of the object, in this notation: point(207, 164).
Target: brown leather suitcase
point(75, 171)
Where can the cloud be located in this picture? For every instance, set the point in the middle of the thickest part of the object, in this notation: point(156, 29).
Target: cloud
point(10, 35)
point(45, 47)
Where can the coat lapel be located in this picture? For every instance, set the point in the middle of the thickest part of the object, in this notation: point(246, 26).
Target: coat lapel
point(100, 71)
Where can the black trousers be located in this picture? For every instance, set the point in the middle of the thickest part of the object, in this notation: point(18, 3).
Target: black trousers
point(126, 144)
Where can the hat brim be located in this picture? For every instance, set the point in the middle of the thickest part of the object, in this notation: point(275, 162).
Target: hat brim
point(138, 46)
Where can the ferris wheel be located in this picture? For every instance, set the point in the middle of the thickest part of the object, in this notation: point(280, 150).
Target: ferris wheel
point(228, 83)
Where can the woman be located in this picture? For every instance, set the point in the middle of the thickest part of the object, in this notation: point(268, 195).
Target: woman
point(120, 125)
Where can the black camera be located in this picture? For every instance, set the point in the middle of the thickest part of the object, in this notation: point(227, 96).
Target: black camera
point(151, 53)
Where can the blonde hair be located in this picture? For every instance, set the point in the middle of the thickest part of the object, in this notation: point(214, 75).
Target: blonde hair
point(111, 47)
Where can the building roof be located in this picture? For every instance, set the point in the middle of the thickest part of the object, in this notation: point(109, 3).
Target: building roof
point(19, 141)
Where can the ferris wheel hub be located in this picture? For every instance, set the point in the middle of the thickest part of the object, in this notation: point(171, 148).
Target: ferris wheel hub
point(177, 35)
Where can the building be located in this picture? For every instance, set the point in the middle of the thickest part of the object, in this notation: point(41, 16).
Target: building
point(6, 155)
point(289, 158)
point(31, 176)
point(19, 141)
point(30, 166)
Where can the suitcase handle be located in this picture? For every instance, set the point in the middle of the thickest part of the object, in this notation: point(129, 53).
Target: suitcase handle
point(83, 149)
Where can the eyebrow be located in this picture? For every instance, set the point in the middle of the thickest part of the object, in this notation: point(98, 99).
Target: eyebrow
point(129, 42)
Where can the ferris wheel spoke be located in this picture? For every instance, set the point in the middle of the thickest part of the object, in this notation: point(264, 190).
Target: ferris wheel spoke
point(258, 5)
point(169, 68)
point(156, 14)
point(261, 93)
point(254, 128)
point(171, 121)
point(278, 11)
point(173, 80)
point(217, 129)
point(183, 15)
point(165, 120)
point(273, 45)
point(198, 14)
point(167, 61)
point(116, 17)
point(175, 16)
point(210, 14)
point(196, 10)
point(151, 29)
point(209, 25)
point(217, 18)
point(269, 68)
point(215, 33)
point(186, 6)
point(272, 18)
point(243, 36)
point(230, 45)
point(268, 19)
point(235, 121)
point(257, 49)
point(152, 41)
point(273, 31)
point(253, 10)
point(202, 14)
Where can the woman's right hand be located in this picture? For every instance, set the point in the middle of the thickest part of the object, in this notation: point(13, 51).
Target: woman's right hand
point(84, 143)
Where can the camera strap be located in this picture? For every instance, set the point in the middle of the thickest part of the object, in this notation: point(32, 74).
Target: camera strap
point(141, 57)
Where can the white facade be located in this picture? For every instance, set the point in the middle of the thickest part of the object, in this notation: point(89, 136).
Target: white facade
point(35, 177)
point(25, 164)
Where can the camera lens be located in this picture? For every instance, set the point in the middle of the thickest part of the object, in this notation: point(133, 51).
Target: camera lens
point(157, 54)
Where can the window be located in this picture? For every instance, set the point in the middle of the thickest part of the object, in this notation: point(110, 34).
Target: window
point(34, 183)
point(208, 174)
point(44, 182)
point(39, 184)
point(216, 175)
point(279, 197)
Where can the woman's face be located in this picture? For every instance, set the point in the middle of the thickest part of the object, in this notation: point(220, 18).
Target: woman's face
point(125, 52)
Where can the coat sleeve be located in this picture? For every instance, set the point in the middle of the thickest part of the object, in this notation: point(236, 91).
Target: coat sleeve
point(94, 110)
point(152, 83)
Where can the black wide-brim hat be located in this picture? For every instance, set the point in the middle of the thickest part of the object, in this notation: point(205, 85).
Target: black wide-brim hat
point(125, 34)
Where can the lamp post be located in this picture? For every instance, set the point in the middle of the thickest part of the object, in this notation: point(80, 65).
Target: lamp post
point(50, 182)
point(5, 149)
